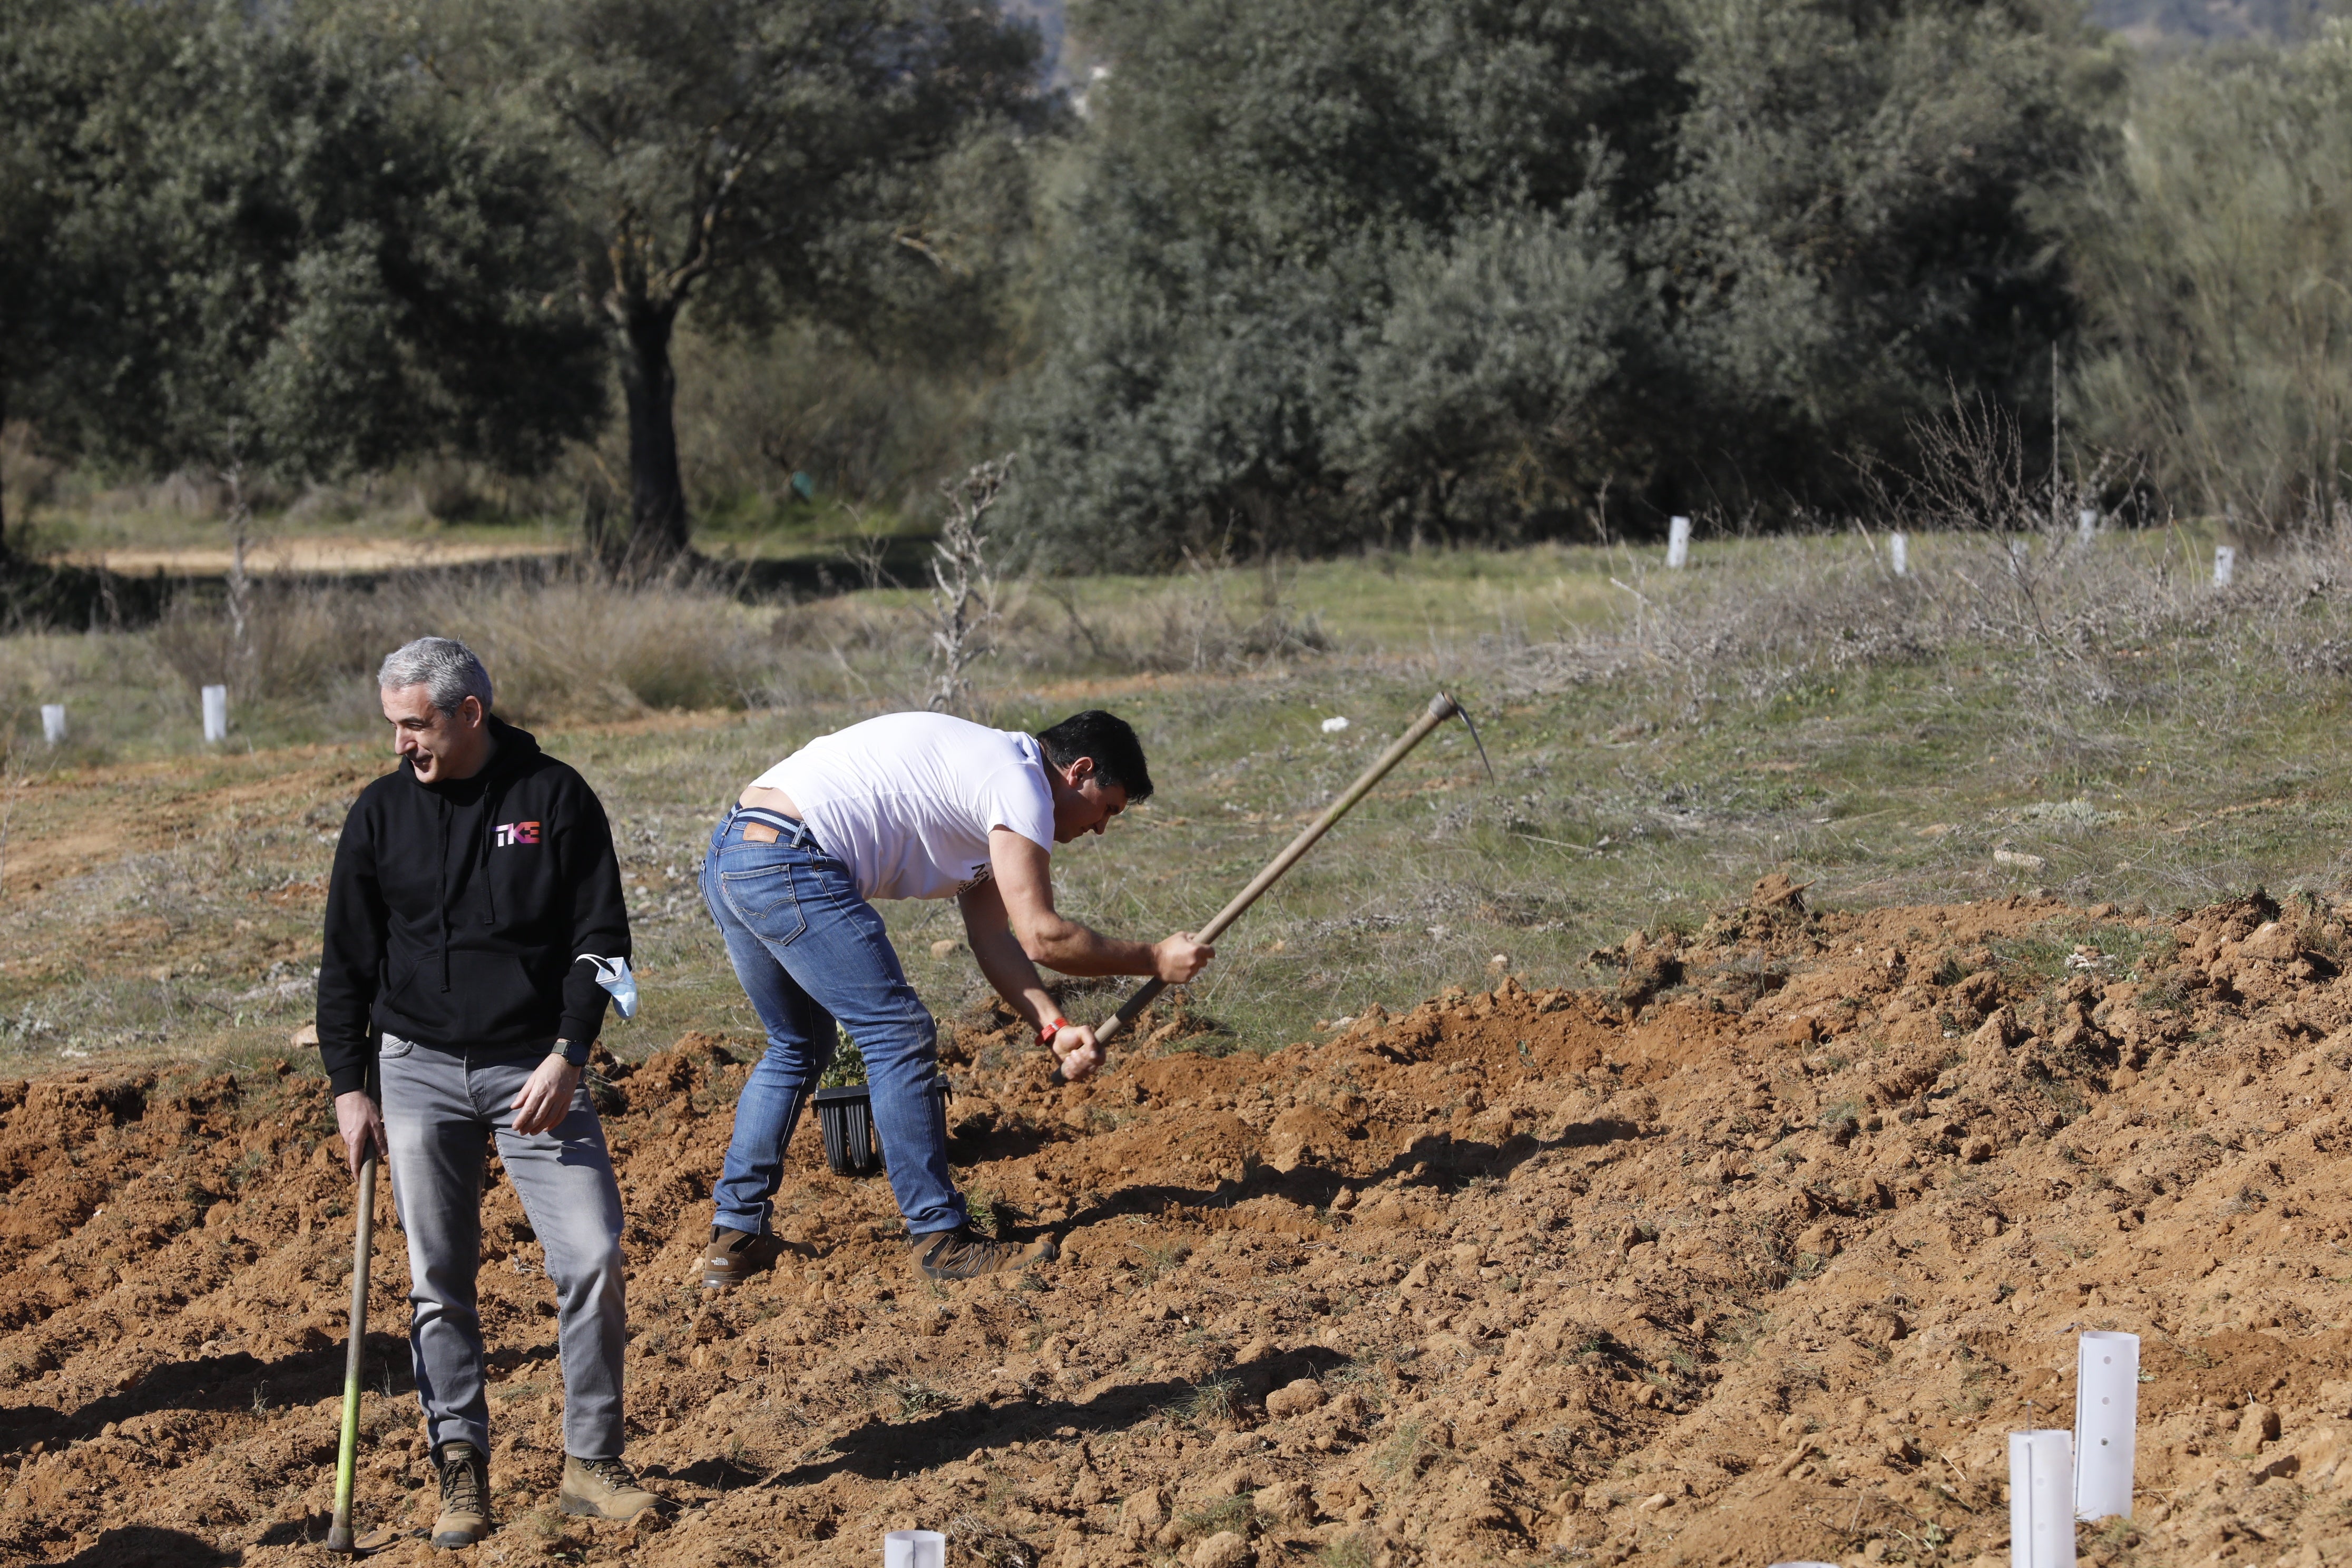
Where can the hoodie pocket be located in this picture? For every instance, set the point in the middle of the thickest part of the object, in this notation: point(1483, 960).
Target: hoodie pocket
point(493, 996)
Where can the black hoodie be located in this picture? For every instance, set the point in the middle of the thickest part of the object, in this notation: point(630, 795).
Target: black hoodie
point(459, 913)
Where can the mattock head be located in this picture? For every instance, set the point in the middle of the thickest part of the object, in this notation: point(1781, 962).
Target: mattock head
point(1445, 703)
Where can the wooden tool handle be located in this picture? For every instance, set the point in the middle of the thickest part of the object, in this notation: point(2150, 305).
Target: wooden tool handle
point(339, 1533)
point(1441, 708)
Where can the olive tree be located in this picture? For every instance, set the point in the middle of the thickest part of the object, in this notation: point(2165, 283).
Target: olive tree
point(270, 247)
point(773, 160)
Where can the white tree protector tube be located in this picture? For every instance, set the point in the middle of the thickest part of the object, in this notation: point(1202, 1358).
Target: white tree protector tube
point(53, 723)
point(914, 1549)
point(2042, 1500)
point(2225, 564)
point(215, 712)
point(1678, 542)
point(2086, 525)
point(2106, 1416)
point(1898, 551)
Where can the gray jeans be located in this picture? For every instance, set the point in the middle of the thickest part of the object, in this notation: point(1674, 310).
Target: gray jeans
point(440, 1110)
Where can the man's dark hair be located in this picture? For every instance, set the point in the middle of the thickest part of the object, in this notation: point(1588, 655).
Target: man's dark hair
point(1105, 737)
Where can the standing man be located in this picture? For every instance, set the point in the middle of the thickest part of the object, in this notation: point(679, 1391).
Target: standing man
point(474, 889)
point(911, 806)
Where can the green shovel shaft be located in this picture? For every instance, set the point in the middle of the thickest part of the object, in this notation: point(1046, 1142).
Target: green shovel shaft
point(339, 1534)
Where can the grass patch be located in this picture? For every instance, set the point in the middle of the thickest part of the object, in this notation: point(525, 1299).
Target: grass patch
point(1211, 1403)
point(2208, 758)
point(1233, 1513)
point(1406, 1455)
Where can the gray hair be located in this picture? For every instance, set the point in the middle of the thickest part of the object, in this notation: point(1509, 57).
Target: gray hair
point(444, 666)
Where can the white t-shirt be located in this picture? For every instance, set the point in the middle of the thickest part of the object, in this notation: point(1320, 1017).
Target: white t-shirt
point(906, 801)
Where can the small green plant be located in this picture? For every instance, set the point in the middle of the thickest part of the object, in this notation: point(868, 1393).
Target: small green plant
point(980, 1203)
point(1233, 1513)
point(1161, 1259)
point(916, 1398)
point(1347, 1552)
point(1406, 1455)
point(1211, 1403)
point(847, 1068)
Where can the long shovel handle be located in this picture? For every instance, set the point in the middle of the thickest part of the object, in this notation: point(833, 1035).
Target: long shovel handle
point(338, 1533)
point(1441, 708)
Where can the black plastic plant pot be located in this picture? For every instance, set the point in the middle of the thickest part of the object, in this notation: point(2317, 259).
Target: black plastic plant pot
point(845, 1116)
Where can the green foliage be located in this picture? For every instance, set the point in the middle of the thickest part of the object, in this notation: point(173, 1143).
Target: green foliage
point(287, 252)
point(838, 159)
point(1390, 269)
point(847, 1068)
point(2212, 259)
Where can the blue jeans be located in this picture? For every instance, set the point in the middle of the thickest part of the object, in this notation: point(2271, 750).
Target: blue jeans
point(810, 951)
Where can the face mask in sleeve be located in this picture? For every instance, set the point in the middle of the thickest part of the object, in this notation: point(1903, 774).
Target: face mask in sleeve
point(612, 974)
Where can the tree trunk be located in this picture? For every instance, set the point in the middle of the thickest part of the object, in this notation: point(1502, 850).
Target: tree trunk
point(3, 476)
point(657, 525)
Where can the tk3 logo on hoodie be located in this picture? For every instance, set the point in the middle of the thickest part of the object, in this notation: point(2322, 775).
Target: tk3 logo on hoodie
point(511, 832)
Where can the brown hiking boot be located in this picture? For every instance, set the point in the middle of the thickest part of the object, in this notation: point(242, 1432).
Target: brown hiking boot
point(964, 1254)
point(465, 1496)
point(734, 1257)
point(601, 1488)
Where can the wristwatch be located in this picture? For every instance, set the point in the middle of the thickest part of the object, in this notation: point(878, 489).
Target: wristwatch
point(572, 1051)
point(1051, 1028)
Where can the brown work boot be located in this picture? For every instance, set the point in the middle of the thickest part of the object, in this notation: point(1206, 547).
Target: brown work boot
point(465, 1496)
point(964, 1254)
point(734, 1256)
point(601, 1488)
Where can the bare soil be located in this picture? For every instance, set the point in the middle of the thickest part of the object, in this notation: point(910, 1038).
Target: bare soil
point(1755, 1250)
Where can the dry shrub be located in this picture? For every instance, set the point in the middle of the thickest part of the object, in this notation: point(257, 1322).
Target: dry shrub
point(1205, 618)
point(2071, 627)
point(570, 646)
point(578, 648)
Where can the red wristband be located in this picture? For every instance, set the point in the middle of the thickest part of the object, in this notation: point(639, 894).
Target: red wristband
point(1046, 1032)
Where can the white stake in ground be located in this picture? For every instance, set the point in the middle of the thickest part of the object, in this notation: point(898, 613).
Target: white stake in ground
point(1898, 551)
point(914, 1549)
point(2225, 564)
point(53, 723)
point(2042, 1500)
point(215, 712)
point(1678, 544)
point(2106, 1415)
point(2086, 525)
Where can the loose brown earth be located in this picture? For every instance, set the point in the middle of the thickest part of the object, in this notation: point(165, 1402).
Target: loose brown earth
point(1754, 1252)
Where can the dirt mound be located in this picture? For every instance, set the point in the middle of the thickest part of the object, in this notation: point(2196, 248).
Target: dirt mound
point(1753, 1250)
